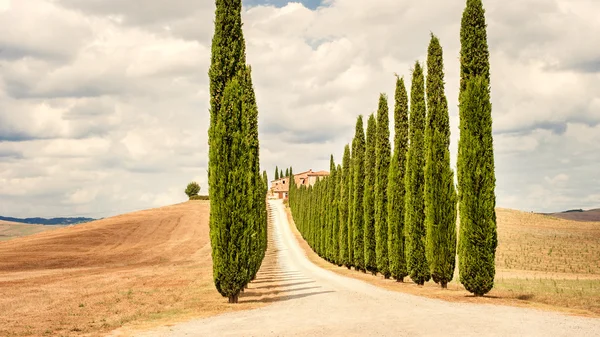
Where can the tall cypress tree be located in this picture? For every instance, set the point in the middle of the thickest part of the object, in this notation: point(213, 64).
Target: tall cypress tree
point(343, 259)
point(396, 187)
point(349, 224)
point(276, 173)
point(440, 196)
point(265, 180)
point(332, 212)
point(415, 184)
point(229, 230)
point(287, 173)
point(382, 167)
point(228, 57)
point(369, 197)
point(475, 165)
point(358, 215)
point(236, 193)
point(257, 213)
point(337, 212)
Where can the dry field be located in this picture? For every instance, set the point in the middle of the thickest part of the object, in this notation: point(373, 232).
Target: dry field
point(137, 270)
point(11, 230)
point(541, 262)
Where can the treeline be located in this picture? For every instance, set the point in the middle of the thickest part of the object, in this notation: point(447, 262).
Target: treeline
point(237, 190)
point(395, 213)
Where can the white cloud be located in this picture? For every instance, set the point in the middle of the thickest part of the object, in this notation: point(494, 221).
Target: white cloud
point(104, 103)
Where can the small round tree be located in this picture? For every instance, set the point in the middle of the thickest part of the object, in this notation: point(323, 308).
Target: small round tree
point(192, 189)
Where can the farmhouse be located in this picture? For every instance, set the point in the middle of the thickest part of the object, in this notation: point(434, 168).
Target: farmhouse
point(281, 187)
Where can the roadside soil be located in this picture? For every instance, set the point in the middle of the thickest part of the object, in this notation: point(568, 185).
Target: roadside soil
point(137, 270)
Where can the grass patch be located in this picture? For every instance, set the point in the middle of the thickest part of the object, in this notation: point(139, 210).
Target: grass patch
point(572, 294)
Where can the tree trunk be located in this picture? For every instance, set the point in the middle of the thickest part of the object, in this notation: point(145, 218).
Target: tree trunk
point(233, 298)
point(444, 285)
point(401, 280)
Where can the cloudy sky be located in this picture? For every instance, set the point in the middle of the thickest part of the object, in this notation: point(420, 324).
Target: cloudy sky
point(104, 103)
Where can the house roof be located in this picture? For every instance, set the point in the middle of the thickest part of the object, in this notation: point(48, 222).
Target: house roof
point(319, 173)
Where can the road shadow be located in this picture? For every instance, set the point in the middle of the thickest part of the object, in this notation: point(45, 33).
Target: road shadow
point(244, 299)
point(283, 285)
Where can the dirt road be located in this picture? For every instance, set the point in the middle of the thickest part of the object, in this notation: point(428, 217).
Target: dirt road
point(321, 303)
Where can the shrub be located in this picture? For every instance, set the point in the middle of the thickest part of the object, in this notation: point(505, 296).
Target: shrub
point(192, 189)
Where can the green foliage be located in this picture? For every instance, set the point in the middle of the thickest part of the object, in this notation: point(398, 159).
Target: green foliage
point(229, 230)
point(382, 167)
point(287, 173)
point(238, 217)
point(199, 197)
point(414, 198)
point(478, 237)
point(475, 164)
point(396, 187)
point(228, 57)
point(358, 186)
point(332, 209)
point(440, 196)
point(369, 197)
point(350, 223)
point(192, 189)
point(474, 53)
point(265, 180)
point(276, 173)
point(257, 212)
point(344, 191)
point(337, 215)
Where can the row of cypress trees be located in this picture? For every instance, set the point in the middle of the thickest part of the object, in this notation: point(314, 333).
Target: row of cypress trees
point(396, 213)
point(238, 216)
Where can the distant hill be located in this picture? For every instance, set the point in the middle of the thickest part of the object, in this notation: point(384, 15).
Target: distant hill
point(43, 221)
point(578, 215)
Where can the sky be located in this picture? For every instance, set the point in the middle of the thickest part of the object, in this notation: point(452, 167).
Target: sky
point(104, 103)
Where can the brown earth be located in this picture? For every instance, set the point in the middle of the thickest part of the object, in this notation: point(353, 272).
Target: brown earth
point(532, 277)
point(141, 269)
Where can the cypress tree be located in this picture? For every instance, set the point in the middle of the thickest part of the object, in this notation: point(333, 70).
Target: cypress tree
point(358, 214)
point(396, 188)
point(343, 242)
point(415, 184)
point(382, 167)
point(440, 196)
point(287, 172)
point(369, 197)
point(337, 214)
point(276, 173)
point(228, 57)
point(229, 230)
point(350, 222)
point(257, 213)
point(475, 165)
point(331, 210)
point(265, 180)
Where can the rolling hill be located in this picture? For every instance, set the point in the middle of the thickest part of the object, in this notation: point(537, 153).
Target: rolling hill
point(44, 221)
point(147, 267)
point(578, 215)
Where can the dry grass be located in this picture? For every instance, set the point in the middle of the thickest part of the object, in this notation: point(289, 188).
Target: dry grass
point(12, 230)
point(525, 239)
point(141, 270)
point(536, 242)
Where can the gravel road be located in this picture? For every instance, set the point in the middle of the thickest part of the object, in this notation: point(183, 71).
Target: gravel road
point(317, 302)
